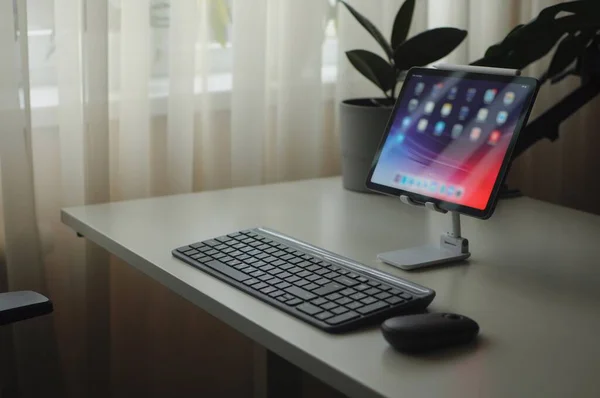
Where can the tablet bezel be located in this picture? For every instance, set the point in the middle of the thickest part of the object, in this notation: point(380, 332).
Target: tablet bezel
point(451, 206)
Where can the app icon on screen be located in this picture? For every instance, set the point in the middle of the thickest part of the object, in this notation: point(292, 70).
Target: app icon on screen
point(419, 88)
point(425, 184)
point(452, 93)
point(433, 186)
point(406, 122)
point(502, 117)
point(397, 178)
point(494, 137)
point(450, 190)
point(410, 181)
point(417, 183)
point(463, 113)
point(509, 98)
point(439, 128)
point(442, 188)
point(475, 134)
point(489, 95)
point(422, 125)
point(413, 104)
point(471, 94)
point(429, 107)
point(400, 138)
point(437, 89)
point(446, 109)
point(457, 130)
point(404, 180)
point(459, 192)
point(482, 114)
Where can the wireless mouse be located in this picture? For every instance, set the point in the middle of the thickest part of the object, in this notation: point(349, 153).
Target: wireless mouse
point(425, 332)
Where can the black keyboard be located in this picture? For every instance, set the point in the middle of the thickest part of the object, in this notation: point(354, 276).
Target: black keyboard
point(324, 289)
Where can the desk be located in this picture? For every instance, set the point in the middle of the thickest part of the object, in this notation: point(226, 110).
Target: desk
point(533, 284)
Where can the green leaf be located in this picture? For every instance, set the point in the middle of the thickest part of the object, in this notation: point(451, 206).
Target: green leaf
point(374, 68)
point(428, 47)
point(402, 23)
point(568, 50)
point(372, 29)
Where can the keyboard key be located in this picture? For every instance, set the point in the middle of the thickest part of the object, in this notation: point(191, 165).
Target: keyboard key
point(284, 275)
point(243, 257)
point(311, 286)
point(227, 270)
point(348, 292)
point(328, 305)
point(354, 305)
point(304, 264)
point(295, 261)
point(276, 293)
point(319, 301)
point(343, 301)
point(328, 289)
point(249, 270)
point(227, 259)
point(395, 292)
point(309, 309)
point(406, 296)
point(212, 252)
point(383, 295)
point(339, 310)
point(324, 315)
point(344, 280)
point(267, 267)
point(368, 300)
point(367, 309)
point(257, 273)
point(287, 257)
point(286, 266)
point(292, 279)
point(301, 293)
point(196, 245)
point(251, 281)
point(260, 285)
point(259, 264)
point(268, 289)
point(219, 256)
point(278, 263)
point(362, 279)
point(313, 268)
point(361, 287)
point(228, 250)
point(358, 296)
point(372, 291)
point(353, 275)
point(282, 285)
point(334, 296)
point(394, 300)
point(265, 277)
point(191, 252)
point(312, 277)
point(301, 282)
point(331, 275)
point(384, 287)
point(279, 253)
point(303, 274)
point(295, 270)
point(322, 271)
point(269, 259)
point(322, 281)
point(246, 249)
point(275, 271)
point(275, 281)
point(294, 302)
point(342, 318)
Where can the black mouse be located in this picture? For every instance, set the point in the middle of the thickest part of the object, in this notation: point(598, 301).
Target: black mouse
point(426, 332)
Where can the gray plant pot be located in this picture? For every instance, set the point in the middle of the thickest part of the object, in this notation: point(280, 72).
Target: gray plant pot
point(362, 124)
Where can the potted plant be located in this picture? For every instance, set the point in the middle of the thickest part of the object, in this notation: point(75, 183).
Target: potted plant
point(572, 29)
point(363, 120)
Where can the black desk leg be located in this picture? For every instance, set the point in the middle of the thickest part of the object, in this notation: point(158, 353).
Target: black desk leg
point(274, 377)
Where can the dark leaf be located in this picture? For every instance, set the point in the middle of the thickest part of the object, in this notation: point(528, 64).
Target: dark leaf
point(590, 7)
point(372, 29)
point(402, 23)
point(568, 50)
point(495, 50)
point(374, 68)
point(428, 47)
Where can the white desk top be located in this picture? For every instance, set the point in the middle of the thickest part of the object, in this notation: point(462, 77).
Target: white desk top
point(533, 284)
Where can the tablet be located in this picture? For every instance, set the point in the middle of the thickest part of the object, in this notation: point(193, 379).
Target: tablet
point(450, 138)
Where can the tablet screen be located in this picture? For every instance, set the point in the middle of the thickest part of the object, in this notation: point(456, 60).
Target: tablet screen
point(450, 134)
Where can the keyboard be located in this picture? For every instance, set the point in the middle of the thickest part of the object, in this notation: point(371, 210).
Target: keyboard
point(326, 290)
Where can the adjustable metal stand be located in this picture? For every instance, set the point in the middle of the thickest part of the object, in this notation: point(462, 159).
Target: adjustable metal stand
point(453, 247)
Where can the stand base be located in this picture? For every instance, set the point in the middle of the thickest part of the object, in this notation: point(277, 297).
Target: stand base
point(420, 257)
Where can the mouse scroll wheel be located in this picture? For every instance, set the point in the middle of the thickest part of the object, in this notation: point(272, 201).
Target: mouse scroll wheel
point(452, 316)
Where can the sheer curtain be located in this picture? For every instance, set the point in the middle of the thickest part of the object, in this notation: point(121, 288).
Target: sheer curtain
point(106, 100)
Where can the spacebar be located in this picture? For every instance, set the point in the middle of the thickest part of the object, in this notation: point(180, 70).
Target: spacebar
point(227, 270)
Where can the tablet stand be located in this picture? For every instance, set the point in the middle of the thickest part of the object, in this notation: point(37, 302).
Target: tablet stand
point(453, 247)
